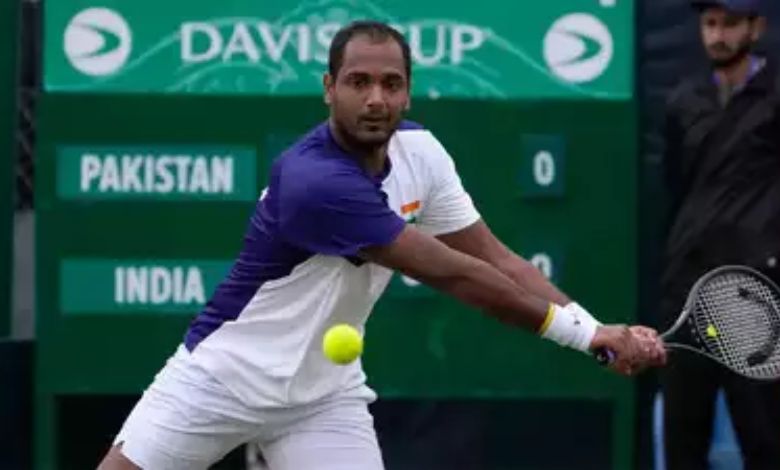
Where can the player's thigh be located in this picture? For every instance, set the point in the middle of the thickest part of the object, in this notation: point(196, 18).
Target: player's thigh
point(338, 436)
point(184, 420)
point(152, 445)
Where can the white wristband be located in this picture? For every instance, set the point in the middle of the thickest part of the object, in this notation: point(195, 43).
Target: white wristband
point(570, 326)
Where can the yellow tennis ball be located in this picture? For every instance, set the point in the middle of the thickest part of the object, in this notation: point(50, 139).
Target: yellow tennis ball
point(712, 332)
point(342, 344)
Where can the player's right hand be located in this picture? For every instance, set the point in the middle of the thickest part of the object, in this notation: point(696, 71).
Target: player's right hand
point(629, 351)
point(652, 345)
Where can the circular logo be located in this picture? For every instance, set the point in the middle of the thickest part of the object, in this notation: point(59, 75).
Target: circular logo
point(97, 41)
point(578, 48)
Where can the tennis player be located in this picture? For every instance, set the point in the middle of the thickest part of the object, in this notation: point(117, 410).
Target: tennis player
point(359, 196)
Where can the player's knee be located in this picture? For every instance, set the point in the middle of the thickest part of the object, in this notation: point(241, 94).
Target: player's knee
point(115, 460)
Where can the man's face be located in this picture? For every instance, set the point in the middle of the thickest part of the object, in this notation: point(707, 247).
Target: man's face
point(370, 92)
point(727, 37)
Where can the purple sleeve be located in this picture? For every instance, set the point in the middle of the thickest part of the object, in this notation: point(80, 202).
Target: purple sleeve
point(335, 214)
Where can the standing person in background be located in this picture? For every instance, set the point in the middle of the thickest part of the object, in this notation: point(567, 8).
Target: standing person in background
point(722, 167)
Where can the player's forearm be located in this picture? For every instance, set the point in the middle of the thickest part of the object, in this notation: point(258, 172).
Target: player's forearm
point(567, 323)
point(481, 285)
point(478, 241)
point(525, 275)
point(484, 287)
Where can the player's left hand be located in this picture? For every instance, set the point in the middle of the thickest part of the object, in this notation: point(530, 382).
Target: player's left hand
point(651, 347)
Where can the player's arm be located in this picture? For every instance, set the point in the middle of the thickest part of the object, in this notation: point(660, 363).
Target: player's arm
point(478, 241)
point(449, 213)
point(449, 210)
point(477, 283)
point(469, 279)
point(338, 212)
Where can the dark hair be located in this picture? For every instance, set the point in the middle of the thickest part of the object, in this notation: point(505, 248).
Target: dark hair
point(376, 31)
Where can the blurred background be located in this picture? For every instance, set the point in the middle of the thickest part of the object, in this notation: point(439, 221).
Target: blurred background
point(552, 111)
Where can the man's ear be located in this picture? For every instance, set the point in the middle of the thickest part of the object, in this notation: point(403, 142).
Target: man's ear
point(327, 86)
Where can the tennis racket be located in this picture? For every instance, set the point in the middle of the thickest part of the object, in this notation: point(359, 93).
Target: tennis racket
point(732, 316)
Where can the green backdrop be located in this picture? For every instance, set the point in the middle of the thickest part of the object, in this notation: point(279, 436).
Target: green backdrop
point(555, 180)
point(156, 131)
point(566, 48)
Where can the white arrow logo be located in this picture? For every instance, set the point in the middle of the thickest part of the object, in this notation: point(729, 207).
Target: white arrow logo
point(578, 48)
point(97, 41)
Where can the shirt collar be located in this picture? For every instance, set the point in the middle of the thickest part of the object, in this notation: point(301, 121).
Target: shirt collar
point(378, 178)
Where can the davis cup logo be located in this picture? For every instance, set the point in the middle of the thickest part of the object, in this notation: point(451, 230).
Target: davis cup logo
point(97, 41)
point(578, 48)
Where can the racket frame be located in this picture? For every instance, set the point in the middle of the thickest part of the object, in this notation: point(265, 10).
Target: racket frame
point(606, 357)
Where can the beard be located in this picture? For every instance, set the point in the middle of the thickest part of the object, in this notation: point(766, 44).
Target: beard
point(735, 57)
point(366, 136)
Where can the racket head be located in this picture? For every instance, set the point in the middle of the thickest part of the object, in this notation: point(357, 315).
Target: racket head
point(732, 315)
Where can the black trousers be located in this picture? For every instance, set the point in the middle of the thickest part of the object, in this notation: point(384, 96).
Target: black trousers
point(690, 384)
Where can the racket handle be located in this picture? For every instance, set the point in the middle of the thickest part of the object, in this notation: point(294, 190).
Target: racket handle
point(604, 356)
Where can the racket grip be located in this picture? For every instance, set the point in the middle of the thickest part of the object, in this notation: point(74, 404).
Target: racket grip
point(604, 356)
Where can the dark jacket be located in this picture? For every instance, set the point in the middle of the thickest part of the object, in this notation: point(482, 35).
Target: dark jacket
point(722, 168)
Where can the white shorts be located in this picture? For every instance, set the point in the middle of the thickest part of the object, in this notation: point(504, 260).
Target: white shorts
point(188, 420)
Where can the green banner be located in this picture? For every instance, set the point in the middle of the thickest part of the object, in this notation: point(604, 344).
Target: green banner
point(121, 286)
point(496, 49)
point(161, 286)
point(157, 172)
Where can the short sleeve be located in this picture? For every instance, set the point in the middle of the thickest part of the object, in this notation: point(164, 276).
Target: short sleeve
point(449, 207)
point(335, 213)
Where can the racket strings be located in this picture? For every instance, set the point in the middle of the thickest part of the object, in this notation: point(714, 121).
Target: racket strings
point(727, 332)
point(737, 318)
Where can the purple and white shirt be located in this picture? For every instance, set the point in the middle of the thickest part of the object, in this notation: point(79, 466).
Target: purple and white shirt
point(298, 273)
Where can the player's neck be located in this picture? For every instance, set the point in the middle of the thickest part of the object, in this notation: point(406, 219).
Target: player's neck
point(372, 159)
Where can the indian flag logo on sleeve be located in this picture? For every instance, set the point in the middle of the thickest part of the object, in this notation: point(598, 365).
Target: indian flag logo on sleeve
point(410, 211)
